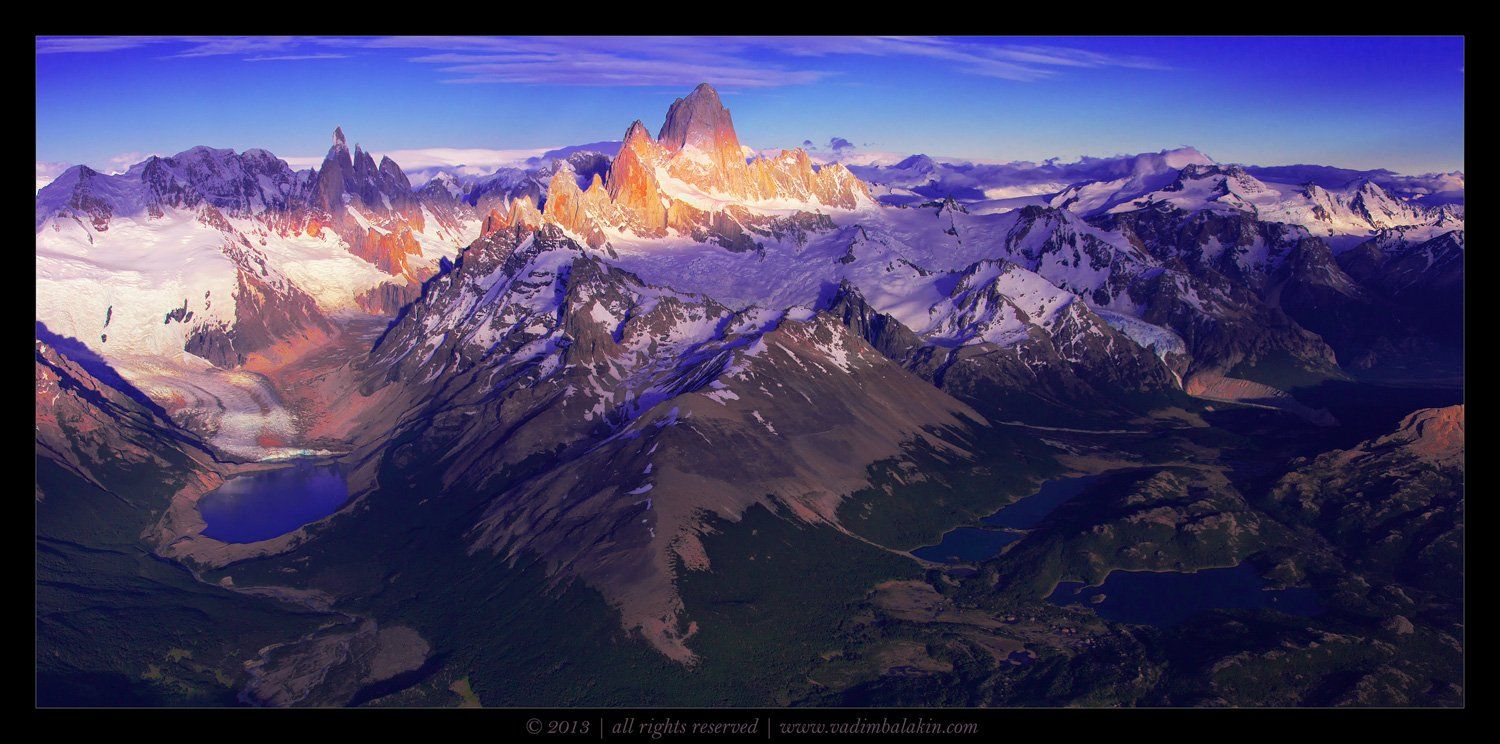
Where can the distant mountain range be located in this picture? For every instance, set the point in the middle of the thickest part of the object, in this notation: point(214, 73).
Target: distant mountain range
point(613, 352)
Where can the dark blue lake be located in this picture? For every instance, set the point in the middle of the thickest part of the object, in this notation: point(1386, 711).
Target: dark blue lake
point(1167, 598)
point(975, 544)
point(1028, 512)
point(967, 545)
point(266, 504)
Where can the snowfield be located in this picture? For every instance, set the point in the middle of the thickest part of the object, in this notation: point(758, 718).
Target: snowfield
point(1010, 257)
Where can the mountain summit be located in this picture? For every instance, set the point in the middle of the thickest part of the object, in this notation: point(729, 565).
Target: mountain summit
point(700, 128)
point(699, 120)
point(694, 178)
point(674, 421)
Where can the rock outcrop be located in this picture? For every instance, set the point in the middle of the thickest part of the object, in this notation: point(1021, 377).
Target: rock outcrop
point(695, 179)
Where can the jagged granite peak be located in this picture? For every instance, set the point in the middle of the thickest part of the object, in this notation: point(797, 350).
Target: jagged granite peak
point(705, 151)
point(708, 194)
point(392, 170)
point(581, 213)
point(633, 184)
point(520, 213)
point(597, 394)
point(635, 134)
point(700, 119)
point(214, 214)
point(335, 175)
point(1214, 263)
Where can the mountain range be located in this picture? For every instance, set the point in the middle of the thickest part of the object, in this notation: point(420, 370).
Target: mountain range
point(657, 385)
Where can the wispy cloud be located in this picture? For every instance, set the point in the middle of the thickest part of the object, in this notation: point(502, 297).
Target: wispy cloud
point(295, 57)
point(420, 163)
point(46, 172)
point(435, 157)
point(122, 162)
point(598, 61)
point(988, 58)
point(86, 44)
point(248, 48)
point(734, 61)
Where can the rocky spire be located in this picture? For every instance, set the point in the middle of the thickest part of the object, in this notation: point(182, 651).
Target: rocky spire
point(700, 120)
point(521, 213)
point(632, 181)
point(579, 212)
point(393, 173)
point(698, 147)
point(705, 150)
point(635, 135)
point(335, 176)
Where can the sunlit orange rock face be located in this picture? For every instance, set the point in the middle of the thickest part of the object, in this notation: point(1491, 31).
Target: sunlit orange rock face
point(633, 185)
point(790, 176)
point(520, 212)
point(269, 313)
point(387, 250)
point(389, 215)
point(697, 158)
point(699, 133)
point(387, 298)
point(581, 212)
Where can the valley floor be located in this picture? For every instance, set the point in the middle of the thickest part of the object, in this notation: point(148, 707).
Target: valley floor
point(850, 618)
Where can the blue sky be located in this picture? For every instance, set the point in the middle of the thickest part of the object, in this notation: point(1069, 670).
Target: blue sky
point(1353, 102)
